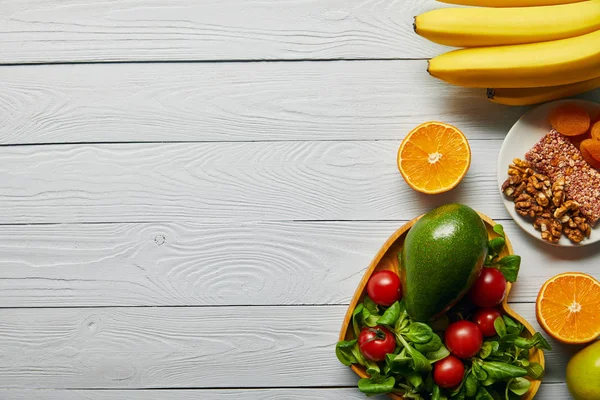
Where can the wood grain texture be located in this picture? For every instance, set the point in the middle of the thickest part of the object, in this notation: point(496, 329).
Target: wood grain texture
point(216, 182)
point(221, 264)
point(194, 347)
point(547, 391)
point(37, 31)
point(237, 102)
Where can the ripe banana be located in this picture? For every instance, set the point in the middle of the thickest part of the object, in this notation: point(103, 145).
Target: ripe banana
point(527, 96)
point(509, 3)
point(558, 62)
point(474, 27)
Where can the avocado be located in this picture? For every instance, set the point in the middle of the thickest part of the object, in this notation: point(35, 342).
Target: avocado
point(443, 255)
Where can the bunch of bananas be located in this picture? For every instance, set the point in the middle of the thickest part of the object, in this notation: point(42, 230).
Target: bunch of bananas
point(523, 51)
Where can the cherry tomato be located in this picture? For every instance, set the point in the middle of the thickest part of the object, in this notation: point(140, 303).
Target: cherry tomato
point(376, 342)
point(384, 288)
point(448, 372)
point(484, 318)
point(489, 289)
point(463, 339)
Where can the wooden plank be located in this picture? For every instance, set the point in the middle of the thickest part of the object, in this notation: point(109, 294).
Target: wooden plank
point(237, 102)
point(547, 391)
point(37, 31)
point(216, 182)
point(220, 264)
point(194, 347)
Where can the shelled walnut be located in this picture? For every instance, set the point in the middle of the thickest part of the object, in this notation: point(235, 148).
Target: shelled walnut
point(537, 197)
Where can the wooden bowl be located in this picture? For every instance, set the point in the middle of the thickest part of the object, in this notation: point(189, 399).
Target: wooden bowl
point(386, 259)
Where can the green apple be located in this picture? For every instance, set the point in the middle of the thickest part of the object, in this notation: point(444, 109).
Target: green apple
point(583, 373)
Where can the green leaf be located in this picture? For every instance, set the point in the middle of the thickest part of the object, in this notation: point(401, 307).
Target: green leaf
point(509, 266)
point(370, 305)
point(399, 363)
point(358, 355)
point(519, 386)
point(522, 363)
point(420, 362)
point(483, 394)
point(390, 316)
point(511, 325)
point(439, 354)
point(343, 351)
point(499, 230)
point(376, 385)
point(471, 385)
point(435, 394)
point(369, 319)
point(419, 332)
point(496, 245)
point(541, 342)
point(500, 327)
point(508, 339)
point(488, 381)
point(478, 371)
point(433, 345)
point(502, 371)
point(372, 368)
point(357, 319)
point(535, 370)
point(537, 341)
point(486, 350)
point(415, 379)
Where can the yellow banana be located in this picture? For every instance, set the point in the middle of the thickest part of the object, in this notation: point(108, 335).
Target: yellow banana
point(477, 26)
point(527, 96)
point(509, 3)
point(558, 62)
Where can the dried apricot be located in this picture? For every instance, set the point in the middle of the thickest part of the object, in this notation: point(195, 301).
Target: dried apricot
point(595, 131)
point(570, 119)
point(590, 150)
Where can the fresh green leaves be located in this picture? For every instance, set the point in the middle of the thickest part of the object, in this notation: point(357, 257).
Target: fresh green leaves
point(348, 352)
point(419, 333)
point(376, 385)
point(508, 265)
point(500, 327)
point(537, 341)
point(499, 230)
point(519, 386)
point(535, 371)
point(390, 316)
point(500, 371)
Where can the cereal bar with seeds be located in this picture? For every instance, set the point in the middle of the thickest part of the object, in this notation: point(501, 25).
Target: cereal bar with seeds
point(554, 155)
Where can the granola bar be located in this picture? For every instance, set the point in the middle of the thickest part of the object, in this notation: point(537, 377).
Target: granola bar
point(555, 156)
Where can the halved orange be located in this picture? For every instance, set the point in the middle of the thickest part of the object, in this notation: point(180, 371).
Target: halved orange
point(434, 157)
point(568, 307)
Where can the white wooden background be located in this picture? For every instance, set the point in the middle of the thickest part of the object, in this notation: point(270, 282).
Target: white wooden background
point(191, 191)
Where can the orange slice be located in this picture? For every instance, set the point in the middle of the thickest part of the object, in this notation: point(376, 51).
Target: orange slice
point(434, 157)
point(568, 307)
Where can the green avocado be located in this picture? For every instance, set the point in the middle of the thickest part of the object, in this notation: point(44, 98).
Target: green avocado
point(443, 254)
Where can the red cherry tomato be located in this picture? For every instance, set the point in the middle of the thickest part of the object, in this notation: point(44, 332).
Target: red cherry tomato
point(376, 342)
point(463, 339)
point(448, 372)
point(384, 288)
point(484, 318)
point(489, 289)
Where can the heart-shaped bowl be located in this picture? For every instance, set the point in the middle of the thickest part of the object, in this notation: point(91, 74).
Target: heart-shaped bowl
point(387, 259)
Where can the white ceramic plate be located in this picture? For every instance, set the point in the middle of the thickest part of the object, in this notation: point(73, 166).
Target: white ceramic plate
point(526, 132)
